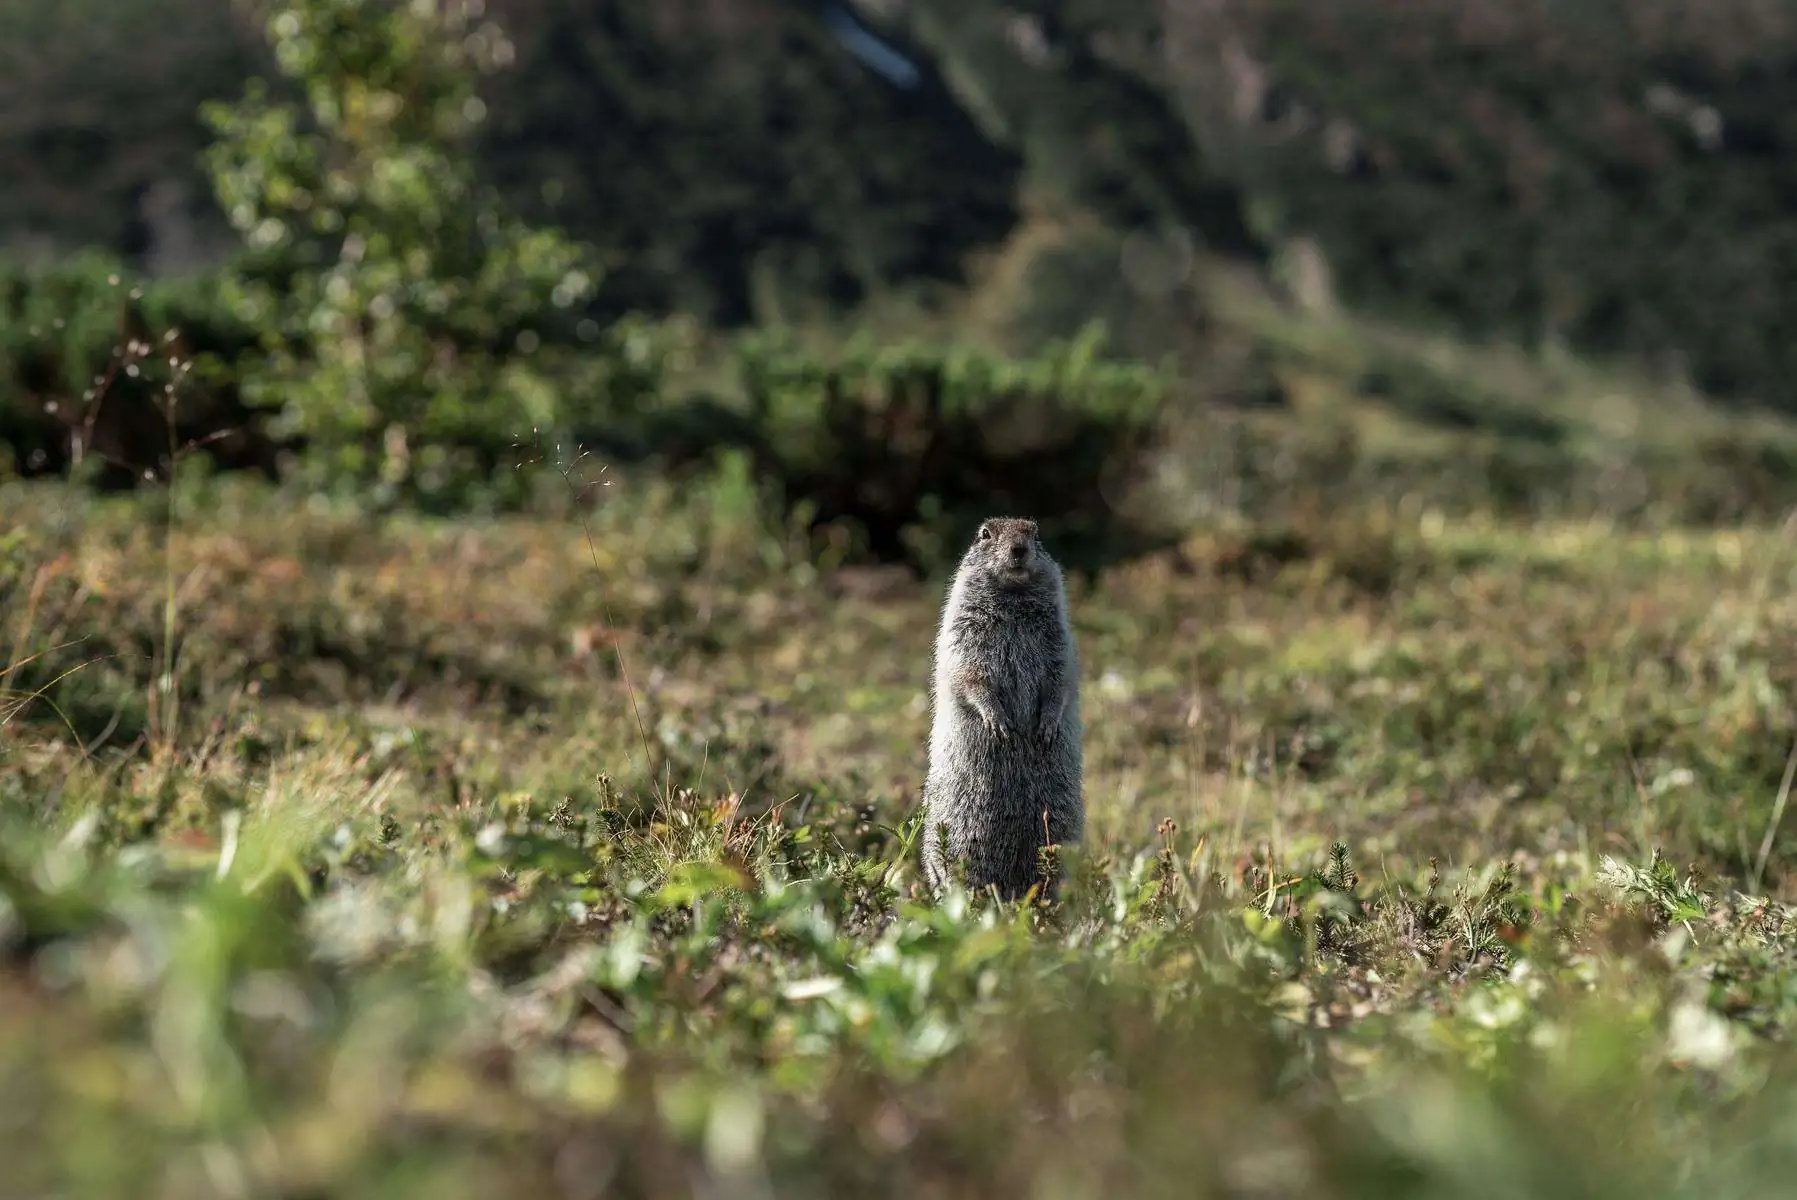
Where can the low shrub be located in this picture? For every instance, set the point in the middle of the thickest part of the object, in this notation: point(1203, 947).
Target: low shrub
point(909, 447)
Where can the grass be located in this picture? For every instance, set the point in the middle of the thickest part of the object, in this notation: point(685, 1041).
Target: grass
point(1428, 855)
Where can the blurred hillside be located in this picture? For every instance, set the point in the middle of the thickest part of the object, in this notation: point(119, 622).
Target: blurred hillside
point(1610, 176)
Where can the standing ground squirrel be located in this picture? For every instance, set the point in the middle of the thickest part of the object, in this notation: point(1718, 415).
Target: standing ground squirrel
point(1005, 758)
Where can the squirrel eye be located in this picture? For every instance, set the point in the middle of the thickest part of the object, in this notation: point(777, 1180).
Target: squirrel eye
point(985, 533)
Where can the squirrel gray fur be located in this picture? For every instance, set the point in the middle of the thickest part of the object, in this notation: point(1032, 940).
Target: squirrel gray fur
point(1005, 757)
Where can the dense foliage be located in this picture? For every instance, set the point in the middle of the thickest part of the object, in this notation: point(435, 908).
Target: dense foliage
point(890, 451)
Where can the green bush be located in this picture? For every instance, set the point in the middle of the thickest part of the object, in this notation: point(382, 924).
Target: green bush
point(909, 447)
point(411, 328)
point(87, 353)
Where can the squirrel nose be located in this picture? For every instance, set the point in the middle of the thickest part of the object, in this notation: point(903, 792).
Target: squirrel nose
point(1018, 550)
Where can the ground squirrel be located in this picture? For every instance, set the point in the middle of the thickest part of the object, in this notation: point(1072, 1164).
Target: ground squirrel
point(1005, 759)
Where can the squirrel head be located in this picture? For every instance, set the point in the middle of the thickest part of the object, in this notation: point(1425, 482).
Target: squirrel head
point(1010, 548)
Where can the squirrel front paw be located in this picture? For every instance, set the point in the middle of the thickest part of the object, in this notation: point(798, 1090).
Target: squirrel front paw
point(1048, 729)
point(996, 725)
